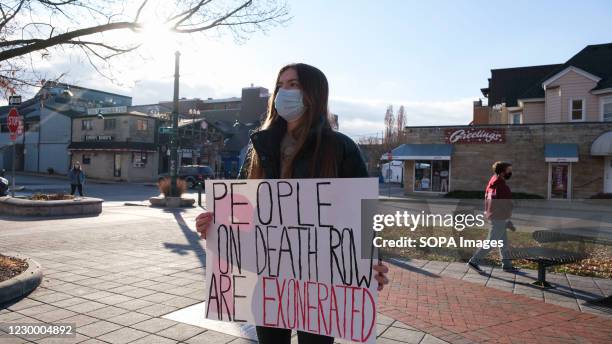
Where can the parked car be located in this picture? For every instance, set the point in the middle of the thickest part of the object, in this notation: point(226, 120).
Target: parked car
point(192, 174)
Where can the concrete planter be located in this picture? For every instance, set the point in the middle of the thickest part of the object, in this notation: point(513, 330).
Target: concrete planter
point(23, 283)
point(25, 207)
point(171, 202)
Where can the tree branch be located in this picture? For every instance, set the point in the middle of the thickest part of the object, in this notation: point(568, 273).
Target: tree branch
point(6, 19)
point(65, 37)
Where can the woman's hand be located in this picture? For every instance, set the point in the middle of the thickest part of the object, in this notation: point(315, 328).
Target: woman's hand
point(203, 222)
point(381, 275)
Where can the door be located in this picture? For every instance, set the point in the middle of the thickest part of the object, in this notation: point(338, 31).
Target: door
point(560, 179)
point(117, 165)
point(608, 176)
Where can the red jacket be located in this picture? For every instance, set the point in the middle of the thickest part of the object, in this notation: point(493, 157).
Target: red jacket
point(498, 199)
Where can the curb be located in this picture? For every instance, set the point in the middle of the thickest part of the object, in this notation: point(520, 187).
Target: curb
point(23, 283)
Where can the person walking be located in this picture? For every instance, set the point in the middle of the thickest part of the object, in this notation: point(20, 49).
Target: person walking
point(77, 178)
point(296, 140)
point(498, 210)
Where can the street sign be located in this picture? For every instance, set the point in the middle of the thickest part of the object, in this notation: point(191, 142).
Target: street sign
point(14, 100)
point(13, 121)
point(166, 130)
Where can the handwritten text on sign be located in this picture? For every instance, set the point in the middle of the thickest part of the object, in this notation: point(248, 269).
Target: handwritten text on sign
point(287, 254)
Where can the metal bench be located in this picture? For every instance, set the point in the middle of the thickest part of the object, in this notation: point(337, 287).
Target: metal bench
point(545, 256)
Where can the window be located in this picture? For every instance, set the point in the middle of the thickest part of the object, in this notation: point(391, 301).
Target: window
point(431, 175)
point(142, 125)
point(517, 118)
point(576, 109)
point(139, 159)
point(87, 124)
point(110, 124)
point(86, 159)
point(606, 109)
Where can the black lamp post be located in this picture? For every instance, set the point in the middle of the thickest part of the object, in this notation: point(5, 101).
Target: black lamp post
point(174, 136)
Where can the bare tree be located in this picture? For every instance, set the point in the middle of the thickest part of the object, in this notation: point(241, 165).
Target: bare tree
point(400, 123)
point(41, 28)
point(389, 125)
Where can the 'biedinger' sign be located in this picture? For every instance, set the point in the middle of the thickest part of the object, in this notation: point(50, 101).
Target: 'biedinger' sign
point(287, 254)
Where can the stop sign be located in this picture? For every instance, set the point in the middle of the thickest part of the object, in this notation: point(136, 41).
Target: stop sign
point(13, 120)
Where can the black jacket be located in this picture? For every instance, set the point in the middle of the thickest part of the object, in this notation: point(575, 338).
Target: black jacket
point(267, 142)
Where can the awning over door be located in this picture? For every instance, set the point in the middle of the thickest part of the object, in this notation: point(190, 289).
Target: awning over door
point(602, 145)
point(420, 152)
point(561, 152)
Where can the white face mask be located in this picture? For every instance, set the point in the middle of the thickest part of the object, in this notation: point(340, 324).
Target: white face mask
point(289, 104)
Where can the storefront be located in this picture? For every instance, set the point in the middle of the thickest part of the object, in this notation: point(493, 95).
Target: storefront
point(554, 161)
point(121, 161)
point(429, 164)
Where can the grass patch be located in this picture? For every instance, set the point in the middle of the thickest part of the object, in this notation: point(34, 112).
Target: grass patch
point(598, 263)
point(11, 267)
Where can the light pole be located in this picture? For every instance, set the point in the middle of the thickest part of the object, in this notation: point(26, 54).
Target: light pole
point(174, 136)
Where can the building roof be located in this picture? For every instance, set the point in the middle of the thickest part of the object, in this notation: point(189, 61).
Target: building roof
point(593, 59)
point(70, 86)
point(508, 84)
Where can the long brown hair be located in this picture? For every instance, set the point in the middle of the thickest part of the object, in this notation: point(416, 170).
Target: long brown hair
point(315, 120)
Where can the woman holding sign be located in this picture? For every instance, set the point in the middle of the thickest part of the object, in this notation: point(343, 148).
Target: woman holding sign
point(296, 140)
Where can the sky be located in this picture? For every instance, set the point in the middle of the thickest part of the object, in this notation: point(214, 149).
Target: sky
point(430, 56)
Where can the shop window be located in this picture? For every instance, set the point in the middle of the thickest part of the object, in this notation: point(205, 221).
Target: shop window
point(86, 160)
point(606, 109)
point(142, 125)
point(431, 175)
point(87, 124)
point(139, 159)
point(577, 109)
point(110, 123)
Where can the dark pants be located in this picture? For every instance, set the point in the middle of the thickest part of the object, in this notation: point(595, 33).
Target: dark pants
point(270, 335)
point(73, 187)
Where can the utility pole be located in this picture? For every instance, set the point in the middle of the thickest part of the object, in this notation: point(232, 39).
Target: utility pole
point(174, 136)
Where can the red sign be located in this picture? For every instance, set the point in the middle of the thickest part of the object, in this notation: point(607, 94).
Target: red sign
point(475, 135)
point(389, 156)
point(13, 120)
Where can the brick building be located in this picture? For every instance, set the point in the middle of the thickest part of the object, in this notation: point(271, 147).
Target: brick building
point(552, 122)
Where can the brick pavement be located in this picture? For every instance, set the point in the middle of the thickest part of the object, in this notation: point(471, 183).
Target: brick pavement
point(116, 275)
point(463, 312)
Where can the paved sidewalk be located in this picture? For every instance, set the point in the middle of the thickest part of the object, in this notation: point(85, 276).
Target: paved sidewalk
point(118, 274)
point(574, 292)
point(464, 312)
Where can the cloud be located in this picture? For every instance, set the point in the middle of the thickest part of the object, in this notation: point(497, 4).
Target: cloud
point(365, 117)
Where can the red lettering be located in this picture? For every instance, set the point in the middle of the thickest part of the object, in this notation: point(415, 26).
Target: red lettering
point(353, 312)
point(265, 299)
point(333, 308)
point(321, 312)
point(363, 313)
point(280, 291)
point(309, 307)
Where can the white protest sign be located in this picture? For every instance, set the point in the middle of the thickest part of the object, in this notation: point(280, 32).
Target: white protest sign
point(286, 253)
